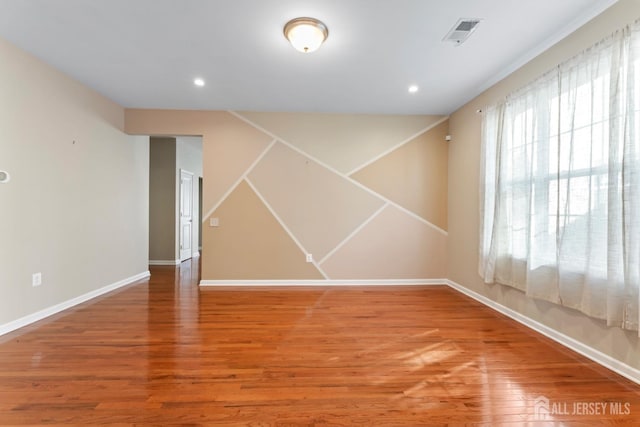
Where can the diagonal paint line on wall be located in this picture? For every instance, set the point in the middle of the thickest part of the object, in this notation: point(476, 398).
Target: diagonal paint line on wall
point(222, 199)
point(283, 225)
point(412, 214)
point(296, 149)
point(353, 233)
point(335, 171)
point(268, 132)
point(235, 185)
point(395, 147)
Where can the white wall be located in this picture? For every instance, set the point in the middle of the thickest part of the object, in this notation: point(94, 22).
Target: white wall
point(76, 208)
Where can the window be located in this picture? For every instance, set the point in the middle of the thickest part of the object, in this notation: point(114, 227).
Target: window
point(560, 184)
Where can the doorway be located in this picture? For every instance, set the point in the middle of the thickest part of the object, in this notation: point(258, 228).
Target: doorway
point(186, 214)
point(175, 196)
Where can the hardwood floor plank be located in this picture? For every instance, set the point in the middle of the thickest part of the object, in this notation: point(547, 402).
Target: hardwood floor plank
point(164, 351)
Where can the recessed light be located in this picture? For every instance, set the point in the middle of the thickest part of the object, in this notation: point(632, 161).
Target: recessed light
point(413, 89)
point(198, 82)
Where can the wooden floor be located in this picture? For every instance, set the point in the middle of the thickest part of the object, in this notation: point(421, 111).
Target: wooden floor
point(163, 352)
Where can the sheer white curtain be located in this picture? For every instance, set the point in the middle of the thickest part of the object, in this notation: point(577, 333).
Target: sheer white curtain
point(560, 184)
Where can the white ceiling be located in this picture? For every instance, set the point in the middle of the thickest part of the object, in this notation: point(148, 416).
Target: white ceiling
point(146, 53)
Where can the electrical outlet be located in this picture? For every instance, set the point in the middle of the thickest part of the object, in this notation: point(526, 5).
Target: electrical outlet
point(36, 279)
point(214, 222)
point(309, 258)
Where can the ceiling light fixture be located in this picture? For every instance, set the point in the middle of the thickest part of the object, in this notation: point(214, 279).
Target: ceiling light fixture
point(306, 34)
point(198, 82)
point(413, 89)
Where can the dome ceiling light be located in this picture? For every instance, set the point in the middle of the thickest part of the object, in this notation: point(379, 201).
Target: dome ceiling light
point(306, 34)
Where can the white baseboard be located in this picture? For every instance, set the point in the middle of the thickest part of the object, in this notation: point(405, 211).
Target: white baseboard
point(377, 282)
point(32, 318)
point(164, 262)
point(597, 356)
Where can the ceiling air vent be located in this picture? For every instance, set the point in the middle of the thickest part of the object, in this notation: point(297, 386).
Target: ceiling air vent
point(461, 31)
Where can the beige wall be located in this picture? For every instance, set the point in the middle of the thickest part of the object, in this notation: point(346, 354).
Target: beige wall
point(342, 141)
point(162, 199)
point(464, 158)
point(76, 208)
point(286, 178)
point(250, 244)
point(414, 175)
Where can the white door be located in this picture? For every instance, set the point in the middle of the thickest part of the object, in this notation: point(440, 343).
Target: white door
point(186, 214)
